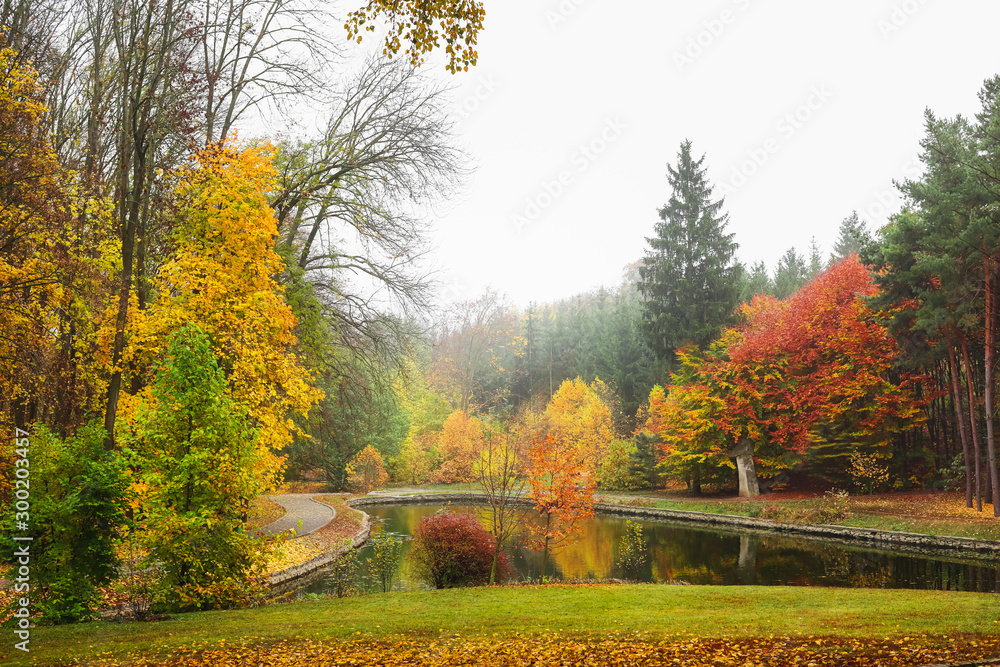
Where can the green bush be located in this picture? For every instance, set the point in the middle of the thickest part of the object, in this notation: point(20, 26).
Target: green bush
point(77, 492)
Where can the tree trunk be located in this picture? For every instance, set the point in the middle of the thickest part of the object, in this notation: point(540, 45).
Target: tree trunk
point(960, 419)
point(989, 361)
point(976, 449)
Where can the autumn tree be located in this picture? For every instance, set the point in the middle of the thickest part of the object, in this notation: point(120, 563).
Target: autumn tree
point(221, 277)
point(689, 277)
point(196, 452)
point(581, 422)
point(808, 371)
point(562, 493)
point(460, 443)
point(498, 474)
point(366, 471)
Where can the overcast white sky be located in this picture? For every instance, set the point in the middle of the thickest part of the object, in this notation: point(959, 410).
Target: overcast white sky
point(576, 107)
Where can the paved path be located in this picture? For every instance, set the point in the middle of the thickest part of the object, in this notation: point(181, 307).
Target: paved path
point(300, 507)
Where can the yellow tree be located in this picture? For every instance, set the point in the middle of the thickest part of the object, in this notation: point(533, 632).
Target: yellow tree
point(578, 419)
point(221, 276)
point(366, 471)
point(460, 445)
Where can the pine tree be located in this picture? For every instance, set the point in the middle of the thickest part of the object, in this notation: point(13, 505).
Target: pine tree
point(851, 239)
point(757, 281)
point(689, 278)
point(815, 260)
point(791, 274)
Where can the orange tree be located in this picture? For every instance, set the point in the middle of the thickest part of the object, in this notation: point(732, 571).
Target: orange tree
point(811, 373)
point(562, 493)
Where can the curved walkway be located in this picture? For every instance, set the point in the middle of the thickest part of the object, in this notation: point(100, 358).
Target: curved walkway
point(300, 507)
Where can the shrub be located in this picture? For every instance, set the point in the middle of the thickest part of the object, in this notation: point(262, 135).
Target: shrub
point(454, 550)
point(867, 472)
point(78, 490)
point(631, 551)
point(343, 571)
point(386, 550)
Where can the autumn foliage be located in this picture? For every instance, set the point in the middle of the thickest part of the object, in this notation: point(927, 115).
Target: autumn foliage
point(460, 444)
point(814, 369)
point(221, 276)
point(562, 492)
point(366, 471)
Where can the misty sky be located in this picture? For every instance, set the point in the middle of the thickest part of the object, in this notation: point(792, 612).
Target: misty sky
point(805, 111)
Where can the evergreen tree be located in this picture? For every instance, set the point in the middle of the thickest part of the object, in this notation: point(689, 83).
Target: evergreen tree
point(757, 281)
point(790, 275)
point(851, 239)
point(689, 279)
point(815, 260)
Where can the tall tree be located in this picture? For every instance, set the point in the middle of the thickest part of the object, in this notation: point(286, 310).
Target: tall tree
point(689, 277)
point(851, 238)
point(790, 274)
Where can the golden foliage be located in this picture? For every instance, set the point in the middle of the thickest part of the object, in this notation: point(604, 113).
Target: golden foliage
point(577, 416)
point(221, 276)
point(366, 471)
point(422, 23)
point(461, 443)
point(611, 649)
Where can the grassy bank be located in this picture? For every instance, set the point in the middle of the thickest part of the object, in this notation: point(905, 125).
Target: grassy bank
point(690, 612)
point(942, 514)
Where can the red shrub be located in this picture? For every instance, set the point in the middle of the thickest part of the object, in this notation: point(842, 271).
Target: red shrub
point(454, 550)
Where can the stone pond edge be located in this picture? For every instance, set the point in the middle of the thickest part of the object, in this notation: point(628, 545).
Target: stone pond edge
point(916, 543)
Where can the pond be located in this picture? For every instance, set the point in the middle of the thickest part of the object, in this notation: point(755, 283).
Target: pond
point(683, 553)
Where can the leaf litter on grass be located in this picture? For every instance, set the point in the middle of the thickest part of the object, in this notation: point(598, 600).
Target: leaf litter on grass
point(559, 649)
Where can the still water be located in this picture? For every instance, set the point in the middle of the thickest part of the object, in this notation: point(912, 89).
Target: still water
point(682, 553)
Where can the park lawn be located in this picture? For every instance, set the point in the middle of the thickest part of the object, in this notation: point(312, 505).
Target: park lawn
point(560, 614)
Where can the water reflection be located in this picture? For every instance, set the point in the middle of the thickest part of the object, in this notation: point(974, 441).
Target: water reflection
point(708, 556)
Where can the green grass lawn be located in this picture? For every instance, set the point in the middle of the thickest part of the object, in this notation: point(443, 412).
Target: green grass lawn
point(658, 610)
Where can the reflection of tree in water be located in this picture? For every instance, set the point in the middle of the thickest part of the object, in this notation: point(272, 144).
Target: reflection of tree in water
point(705, 556)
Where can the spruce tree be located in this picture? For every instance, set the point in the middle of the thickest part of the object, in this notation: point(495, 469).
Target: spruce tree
point(851, 238)
point(756, 281)
point(791, 274)
point(689, 278)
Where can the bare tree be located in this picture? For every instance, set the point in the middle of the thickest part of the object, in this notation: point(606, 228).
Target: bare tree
point(349, 206)
point(498, 474)
point(470, 346)
point(257, 53)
